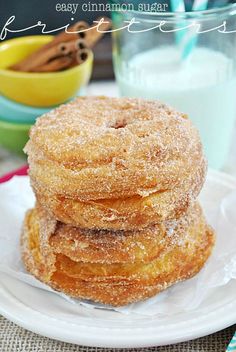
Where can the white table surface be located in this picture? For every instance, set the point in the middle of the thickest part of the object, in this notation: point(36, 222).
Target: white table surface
point(9, 161)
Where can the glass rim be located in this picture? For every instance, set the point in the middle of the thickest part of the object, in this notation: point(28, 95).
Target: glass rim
point(203, 14)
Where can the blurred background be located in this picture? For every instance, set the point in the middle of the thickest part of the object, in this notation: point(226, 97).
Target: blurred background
point(28, 12)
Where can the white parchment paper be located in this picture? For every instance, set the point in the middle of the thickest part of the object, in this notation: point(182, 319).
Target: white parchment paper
point(219, 202)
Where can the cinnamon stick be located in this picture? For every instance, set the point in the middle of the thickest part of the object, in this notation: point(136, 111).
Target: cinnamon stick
point(72, 46)
point(82, 56)
point(94, 34)
point(57, 64)
point(39, 59)
point(69, 35)
point(43, 53)
point(63, 62)
point(79, 57)
point(57, 54)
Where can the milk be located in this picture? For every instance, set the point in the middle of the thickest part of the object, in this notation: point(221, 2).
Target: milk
point(204, 87)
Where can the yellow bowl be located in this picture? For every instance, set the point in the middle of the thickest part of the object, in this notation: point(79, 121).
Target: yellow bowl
point(38, 89)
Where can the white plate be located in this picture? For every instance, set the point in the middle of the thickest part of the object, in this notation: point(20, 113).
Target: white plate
point(50, 315)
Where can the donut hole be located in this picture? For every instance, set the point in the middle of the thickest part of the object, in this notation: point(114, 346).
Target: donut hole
point(119, 123)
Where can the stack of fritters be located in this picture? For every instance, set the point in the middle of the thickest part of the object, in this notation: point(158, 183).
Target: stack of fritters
point(116, 218)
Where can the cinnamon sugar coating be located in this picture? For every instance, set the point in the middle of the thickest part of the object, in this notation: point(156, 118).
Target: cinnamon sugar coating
point(132, 213)
point(116, 283)
point(115, 163)
point(110, 247)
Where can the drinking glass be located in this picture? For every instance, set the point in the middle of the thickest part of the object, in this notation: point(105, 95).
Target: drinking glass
point(195, 73)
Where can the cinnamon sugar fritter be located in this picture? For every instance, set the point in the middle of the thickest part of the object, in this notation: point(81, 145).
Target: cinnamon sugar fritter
point(116, 218)
point(92, 156)
point(131, 267)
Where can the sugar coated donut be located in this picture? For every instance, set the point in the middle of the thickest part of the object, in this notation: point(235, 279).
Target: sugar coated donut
point(95, 266)
point(115, 163)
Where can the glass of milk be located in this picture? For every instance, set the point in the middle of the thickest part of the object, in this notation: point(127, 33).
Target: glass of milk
point(149, 61)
